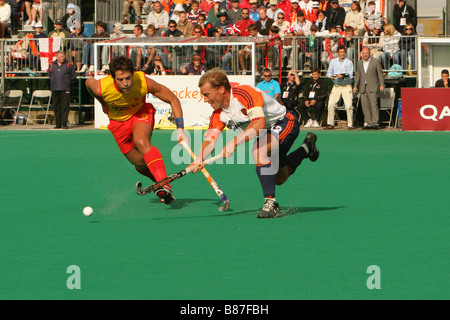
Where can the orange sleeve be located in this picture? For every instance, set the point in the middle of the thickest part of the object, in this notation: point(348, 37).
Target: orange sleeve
point(248, 97)
point(214, 122)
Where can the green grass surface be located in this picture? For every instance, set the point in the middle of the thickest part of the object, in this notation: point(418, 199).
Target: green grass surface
point(373, 198)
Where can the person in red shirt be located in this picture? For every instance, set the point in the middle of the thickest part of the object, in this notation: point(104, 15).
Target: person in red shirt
point(206, 5)
point(285, 5)
point(244, 23)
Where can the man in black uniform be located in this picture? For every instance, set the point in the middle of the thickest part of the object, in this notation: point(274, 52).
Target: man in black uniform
point(290, 91)
point(315, 95)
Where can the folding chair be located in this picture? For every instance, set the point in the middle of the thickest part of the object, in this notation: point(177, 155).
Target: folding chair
point(387, 100)
point(37, 96)
point(12, 94)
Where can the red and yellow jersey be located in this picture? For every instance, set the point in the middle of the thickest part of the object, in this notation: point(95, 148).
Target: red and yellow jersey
point(121, 106)
point(247, 104)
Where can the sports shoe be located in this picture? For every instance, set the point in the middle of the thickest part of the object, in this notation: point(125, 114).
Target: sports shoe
point(165, 194)
point(309, 124)
point(310, 141)
point(315, 124)
point(271, 209)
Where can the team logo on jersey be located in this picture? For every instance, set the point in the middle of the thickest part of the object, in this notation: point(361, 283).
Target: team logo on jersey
point(234, 126)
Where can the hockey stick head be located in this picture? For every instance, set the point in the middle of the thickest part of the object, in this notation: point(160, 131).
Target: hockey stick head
point(226, 205)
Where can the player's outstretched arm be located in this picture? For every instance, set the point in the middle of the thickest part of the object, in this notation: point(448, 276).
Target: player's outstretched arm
point(164, 94)
point(93, 87)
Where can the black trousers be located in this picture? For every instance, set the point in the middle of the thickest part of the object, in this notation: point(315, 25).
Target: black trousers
point(319, 107)
point(61, 107)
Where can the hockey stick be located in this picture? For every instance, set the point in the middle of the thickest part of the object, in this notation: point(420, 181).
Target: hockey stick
point(212, 182)
point(169, 179)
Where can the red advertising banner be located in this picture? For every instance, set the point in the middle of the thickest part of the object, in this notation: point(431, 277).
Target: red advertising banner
point(426, 109)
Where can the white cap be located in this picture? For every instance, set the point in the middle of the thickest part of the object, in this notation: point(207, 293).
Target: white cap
point(38, 25)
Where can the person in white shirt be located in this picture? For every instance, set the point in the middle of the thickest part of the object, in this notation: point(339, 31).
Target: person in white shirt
point(274, 10)
point(254, 115)
point(5, 17)
point(158, 17)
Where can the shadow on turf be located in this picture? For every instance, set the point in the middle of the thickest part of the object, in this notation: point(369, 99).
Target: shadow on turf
point(285, 211)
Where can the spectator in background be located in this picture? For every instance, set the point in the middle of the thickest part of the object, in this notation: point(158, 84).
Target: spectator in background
point(312, 50)
point(273, 10)
point(213, 12)
point(390, 46)
point(341, 72)
point(303, 26)
point(291, 15)
point(117, 33)
point(244, 23)
point(147, 7)
point(206, 5)
point(100, 35)
point(372, 40)
point(176, 12)
point(369, 81)
point(77, 42)
point(60, 32)
point(290, 90)
point(443, 81)
point(349, 42)
point(404, 14)
point(372, 16)
point(158, 17)
point(196, 67)
point(172, 30)
point(72, 16)
point(61, 74)
point(355, 18)
point(187, 5)
point(5, 17)
point(321, 23)
point(156, 67)
point(264, 23)
point(224, 22)
point(136, 5)
point(16, 8)
point(408, 47)
point(335, 15)
point(168, 6)
point(138, 53)
point(192, 15)
point(235, 13)
point(315, 94)
point(269, 86)
point(314, 11)
point(184, 25)
point(254, 15)
point(205, 25)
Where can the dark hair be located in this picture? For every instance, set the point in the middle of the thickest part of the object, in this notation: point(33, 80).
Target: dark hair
point(139, 27)
point(341, 47)
point(120, 63)
point(445, 71)
point(315, 70)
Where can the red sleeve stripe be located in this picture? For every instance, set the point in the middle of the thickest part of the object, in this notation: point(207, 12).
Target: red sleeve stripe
point(246, 96)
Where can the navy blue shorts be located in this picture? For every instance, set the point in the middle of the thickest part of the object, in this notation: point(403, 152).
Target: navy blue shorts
point(286, 130)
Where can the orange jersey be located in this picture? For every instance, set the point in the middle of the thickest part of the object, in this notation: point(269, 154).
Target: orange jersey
point(122, 106)
point(247, 103)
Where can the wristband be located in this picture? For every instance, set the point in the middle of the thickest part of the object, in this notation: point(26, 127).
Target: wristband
point(179, 122)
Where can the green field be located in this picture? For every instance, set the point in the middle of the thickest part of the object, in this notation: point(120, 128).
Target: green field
point(373, 198)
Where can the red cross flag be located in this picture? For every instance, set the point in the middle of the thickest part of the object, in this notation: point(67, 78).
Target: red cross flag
point(232, 30)
point(48, 48)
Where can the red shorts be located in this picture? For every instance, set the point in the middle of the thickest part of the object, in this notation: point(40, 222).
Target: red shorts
point(123, 130)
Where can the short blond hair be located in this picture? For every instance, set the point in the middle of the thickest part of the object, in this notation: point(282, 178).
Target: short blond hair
point(216, 78)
